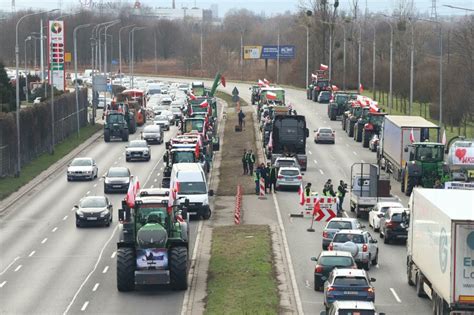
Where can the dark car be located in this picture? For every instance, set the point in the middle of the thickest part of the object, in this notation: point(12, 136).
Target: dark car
point(94, 210)
point(348, 285)
point(117, 179)
point(326, 262)
point(392, 225)
point(324, 97)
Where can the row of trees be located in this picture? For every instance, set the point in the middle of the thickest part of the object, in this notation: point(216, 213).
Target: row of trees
point(174, 47)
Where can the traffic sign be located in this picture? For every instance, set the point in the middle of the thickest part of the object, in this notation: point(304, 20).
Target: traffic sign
point(324, 213)
point(235, 91)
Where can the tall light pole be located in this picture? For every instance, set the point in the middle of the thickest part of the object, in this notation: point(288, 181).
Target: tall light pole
point(17, 83)
point(201, 49)
point(373, 64)
point(412, 57)
point(278, 57)
point(330, 48)
point(26, 69)
point(390, 95)
point(132, 59)
point(76, 85)
point(105, 42)
point(242, 54)
point(120, 49)
point(359, 59)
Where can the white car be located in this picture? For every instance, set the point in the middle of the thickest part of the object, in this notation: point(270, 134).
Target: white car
point(289, 177)
point(169, 114)
point(166, 100)
point(378, 211)
point(286, 162)
point(82, 168)
point(162, 121)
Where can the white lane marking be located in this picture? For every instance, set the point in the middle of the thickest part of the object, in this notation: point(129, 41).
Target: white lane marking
point(345, 214)
point(355, 153)
point(72, 209)
point(5, 270)
point(95, 185)
point(307, 284)
point(2, 284)
point(157, 174)
point(346, 144)
point(88, 192)
point(100, 179)
point(296, 292)
point(95, 287)
point(32, 253)
point(84, 306)
point(395, 295)
point(112, 235)
point(113, 255)
point(115, 162)
point(155, 180)
point(105, 174)
point(152, 186)
point(315, 162)
point(54, 230)
point(44, 240)
point(65, 218)
point(17, 268)
point(105, 269)
point(161, 168)
point(184, 309)
point(310, 152)
point(321, 171)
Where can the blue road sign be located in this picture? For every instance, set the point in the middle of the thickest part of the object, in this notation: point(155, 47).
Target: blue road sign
point(271, 52)
point(115, 62)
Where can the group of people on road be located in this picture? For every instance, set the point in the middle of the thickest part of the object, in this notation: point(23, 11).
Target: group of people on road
point(248, 162)
point(328, 191)
point(269, 175)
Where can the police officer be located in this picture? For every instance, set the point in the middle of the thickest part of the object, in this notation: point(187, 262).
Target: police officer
point(250, 161)
point(328, 190)
point(307, 190)
point(341, 193)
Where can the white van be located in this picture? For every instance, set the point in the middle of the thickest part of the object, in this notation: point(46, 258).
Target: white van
point(192, 185)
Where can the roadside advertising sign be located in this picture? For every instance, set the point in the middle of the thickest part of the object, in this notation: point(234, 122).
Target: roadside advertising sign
point(56, 54)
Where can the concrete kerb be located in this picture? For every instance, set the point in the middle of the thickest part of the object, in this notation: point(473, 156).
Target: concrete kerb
point(10, 200)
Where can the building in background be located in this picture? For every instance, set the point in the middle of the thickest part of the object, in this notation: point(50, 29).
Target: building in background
point(215, 11)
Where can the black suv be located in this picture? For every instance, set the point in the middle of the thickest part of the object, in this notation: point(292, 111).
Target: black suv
point(393, 225)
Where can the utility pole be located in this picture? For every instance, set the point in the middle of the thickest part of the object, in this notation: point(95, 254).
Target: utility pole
point(120, 50)
point(412, 57)
point(76, 85)
point(278, 58)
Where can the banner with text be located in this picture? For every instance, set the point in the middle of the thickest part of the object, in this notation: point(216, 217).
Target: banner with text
point(269, 52)
point(56, 54)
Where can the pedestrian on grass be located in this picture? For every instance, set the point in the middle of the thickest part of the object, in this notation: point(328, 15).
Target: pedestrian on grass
point(244, 163)
point(250, 161)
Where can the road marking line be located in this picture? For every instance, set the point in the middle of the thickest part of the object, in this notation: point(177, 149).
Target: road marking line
point(310, 152)
point(5, 270)
point(345, 214)
point(315, 162)
point(44, 241)
point(95, 185)
point(2, 284)
point(95, 287)
point(161, 168)
point(72, 209)
point(115, 162)
point(113, 255)
point(152, 186)
point(296, 292)
point(307, 284)
point(105, 269)
point(321, 171)
point(54, 230)
point(155, 180)
point(32, 253)
point(395, 295)
point(112, 235)
point(83, 308)
point(346, 144)
point(65, 217)
point(18, 268)
point(157, 174)
point(354, 152)
point(88, 192)
point(100, 179)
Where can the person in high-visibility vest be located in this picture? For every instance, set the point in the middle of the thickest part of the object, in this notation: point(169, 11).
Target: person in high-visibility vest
point(256, 178)
point(307, 190)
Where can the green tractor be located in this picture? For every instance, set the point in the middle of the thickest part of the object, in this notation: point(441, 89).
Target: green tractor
point(372, 127)
point(255, 89)
point(360, 123)
point(338, 106)
point(115, 126)
point(352, 116)
point(424, 167)
point(153, 245)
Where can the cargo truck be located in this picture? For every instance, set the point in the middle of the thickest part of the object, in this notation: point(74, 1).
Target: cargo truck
point(460, 160)
point(440, 248)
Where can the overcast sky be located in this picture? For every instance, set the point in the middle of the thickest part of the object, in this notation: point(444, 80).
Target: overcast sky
point(270, 7)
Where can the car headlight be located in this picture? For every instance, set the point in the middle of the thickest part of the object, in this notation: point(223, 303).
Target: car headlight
point(107, 181)
point(80, 213)
point(69, 172)
point(104, 213)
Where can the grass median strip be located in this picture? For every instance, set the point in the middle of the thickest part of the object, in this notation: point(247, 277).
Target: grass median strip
point(9, 185)
point(241, 277)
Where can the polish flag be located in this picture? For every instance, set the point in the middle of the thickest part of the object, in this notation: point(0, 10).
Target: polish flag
point(204, 104)
point(361, 88)
point(223, 82)
point(314, 76)
point(173, 195)
point(317, 207)
point(301, 194)
point(373, 107)
point(412, 136)
point(196, 151)
point(192, 96)
point(260, 83)
point(133, 188)
point(323, 67)
point(266, 81)
point(271, 96)
point(270, 142)
point(334, 88)
point(443, 140)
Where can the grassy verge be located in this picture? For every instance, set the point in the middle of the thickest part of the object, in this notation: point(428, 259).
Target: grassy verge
point(241, 279)
point(9, 185)
point(228, 98)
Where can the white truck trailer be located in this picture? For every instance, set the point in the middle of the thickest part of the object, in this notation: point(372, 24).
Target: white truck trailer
point(440, 248)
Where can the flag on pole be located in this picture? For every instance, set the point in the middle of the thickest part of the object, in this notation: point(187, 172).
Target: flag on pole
point(133, 188)
point(412, 136)
point(443, 140)
point(222, 80)
point(323, 67)
point(172, 195)
point(373, 107)
point(271, 95)
point(270, 142)
point(204, 104)
point(196, 151)
point(334, 88)
point(317, 207)
point(266, 81)
point(314, 76)
point(260, 83)
point(301, 194)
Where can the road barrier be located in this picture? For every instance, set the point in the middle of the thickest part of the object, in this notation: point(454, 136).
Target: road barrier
point(238, 205)
point(262, 189)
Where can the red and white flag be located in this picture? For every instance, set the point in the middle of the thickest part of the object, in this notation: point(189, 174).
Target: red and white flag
point(323, 67)
point(443, 140)
point(133, 188)
point(412, 136)
point(260, 83)
point(266, 81)
point(301, 194)
point(192, 96)
point(196, 151)
point(373, 107)
point(334, 88)
point(317, 207)
point(270, 142)
point(271, 95)
point(173, 195)
point(314, 76)
point(204, 104)
point(361, 88)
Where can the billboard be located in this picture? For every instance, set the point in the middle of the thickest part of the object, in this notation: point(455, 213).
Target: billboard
point(269, 52)
point(56, 54)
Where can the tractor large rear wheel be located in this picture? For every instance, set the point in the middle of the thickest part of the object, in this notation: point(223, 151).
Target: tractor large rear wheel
point(365, 138)
point(107, 135)
point(410, 182)
point(125, 269)
point(332, 113)
point(350, 129)
point(178, 262)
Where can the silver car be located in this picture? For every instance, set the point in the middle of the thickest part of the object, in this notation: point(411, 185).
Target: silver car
point(94, 210)
point(325, 134)
point(162, 121)
point(82, 168)
point(336, 225)
point(153, 134)
point(360, 244)
point(137, 150)
point(289, 177)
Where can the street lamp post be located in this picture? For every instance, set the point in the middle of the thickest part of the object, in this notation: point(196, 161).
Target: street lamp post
point(105, 42)
point(373, 64)
point(330, 48)
point(390, 96)
point(201, 49)
point(412, 57)
point(76, 85)
point(26, 69)
point(120, 49)
point(278, 58)
point(132, 59)
point(359, 59)
point(17, 83)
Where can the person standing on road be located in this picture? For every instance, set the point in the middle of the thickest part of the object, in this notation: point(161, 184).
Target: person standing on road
point(266, 176)
point(273, 179)
point(241, 119)
point(250, 161)
point(341, 193)
point(256, 177)
point(244, 163)
point(307, 190)
point(328, 190)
